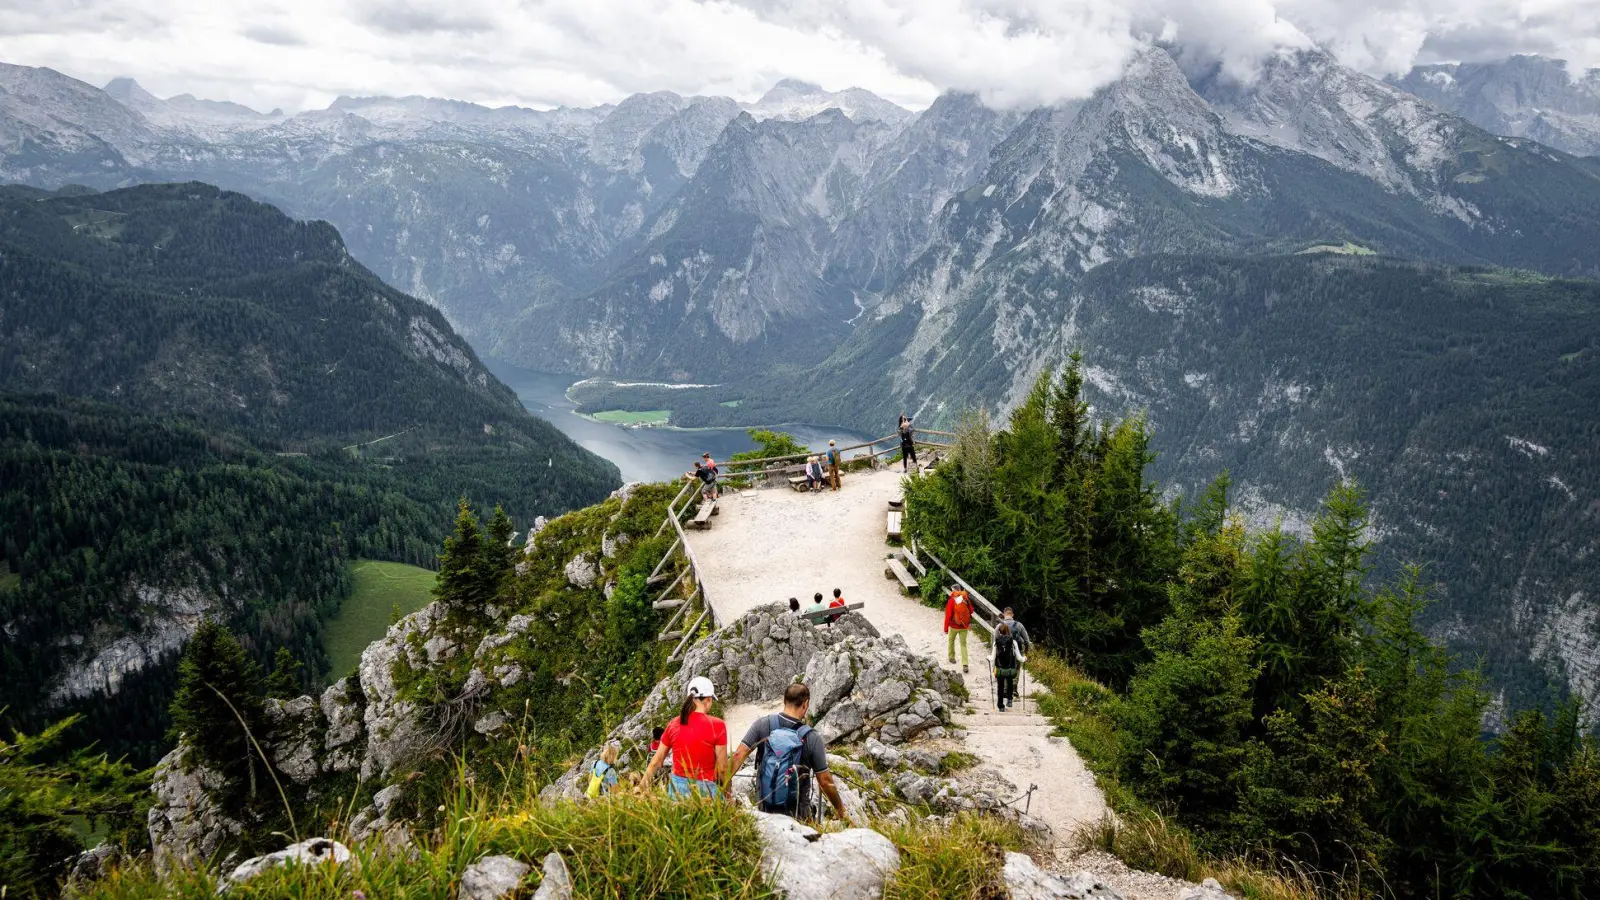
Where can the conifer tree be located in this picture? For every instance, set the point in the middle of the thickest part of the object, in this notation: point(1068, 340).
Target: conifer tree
point(284, 682)
point(218, 707)
point(462, 583)
point(499, 557)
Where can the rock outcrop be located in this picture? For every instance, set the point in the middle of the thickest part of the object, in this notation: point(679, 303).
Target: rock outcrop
point(1026, 881)
point(185, 822)
point(862, 685)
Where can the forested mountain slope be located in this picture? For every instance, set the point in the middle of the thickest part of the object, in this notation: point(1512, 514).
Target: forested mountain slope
point(257, 410)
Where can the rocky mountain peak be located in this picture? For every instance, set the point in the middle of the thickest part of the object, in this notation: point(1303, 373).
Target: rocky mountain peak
point(793, 99)
point(1524, 96)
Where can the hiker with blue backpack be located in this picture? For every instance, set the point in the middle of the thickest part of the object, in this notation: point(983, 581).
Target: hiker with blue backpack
point(789, 755)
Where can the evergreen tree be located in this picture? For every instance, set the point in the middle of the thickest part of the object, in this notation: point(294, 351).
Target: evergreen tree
point(462, 584)
point(1185, 723)
point(499, 556)
point(218, 708)
point(284, 682)
point(46, 796)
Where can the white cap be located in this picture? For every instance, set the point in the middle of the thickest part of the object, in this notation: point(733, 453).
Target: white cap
point(700, 687)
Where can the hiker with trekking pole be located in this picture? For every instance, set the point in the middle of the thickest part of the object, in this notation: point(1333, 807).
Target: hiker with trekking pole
point(1005, 662)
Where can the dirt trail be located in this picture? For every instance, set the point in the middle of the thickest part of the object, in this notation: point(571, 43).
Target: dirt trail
point(766, 546)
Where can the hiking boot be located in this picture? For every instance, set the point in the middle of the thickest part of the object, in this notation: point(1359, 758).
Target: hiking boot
point(965, 669)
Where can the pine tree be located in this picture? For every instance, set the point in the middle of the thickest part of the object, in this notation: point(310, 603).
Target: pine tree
point(499, 556)
point(461, 581)
point(218, 707)
point(284, 682)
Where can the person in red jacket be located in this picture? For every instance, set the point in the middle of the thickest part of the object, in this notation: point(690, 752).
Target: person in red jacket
point(957, 619)
point(835, 603)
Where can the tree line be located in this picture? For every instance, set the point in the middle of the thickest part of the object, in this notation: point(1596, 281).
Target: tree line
point(1268, 692)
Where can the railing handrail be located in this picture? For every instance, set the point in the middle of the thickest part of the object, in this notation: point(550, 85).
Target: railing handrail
point(801, 456)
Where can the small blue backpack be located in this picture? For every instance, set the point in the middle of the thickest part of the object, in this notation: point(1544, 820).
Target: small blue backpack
point(778, 781)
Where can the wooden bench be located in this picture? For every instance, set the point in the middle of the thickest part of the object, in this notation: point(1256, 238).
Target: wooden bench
point(894, 524)
point(821, 615)
point(897, 572)
point(702, 516)
point(798, 482)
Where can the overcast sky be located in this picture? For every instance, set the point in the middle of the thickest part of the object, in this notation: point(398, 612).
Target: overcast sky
point(300, 54)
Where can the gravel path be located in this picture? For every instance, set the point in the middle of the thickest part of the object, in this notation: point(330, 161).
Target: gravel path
point(766, 546)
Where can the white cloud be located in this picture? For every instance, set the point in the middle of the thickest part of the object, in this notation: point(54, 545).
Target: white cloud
point(302, 53)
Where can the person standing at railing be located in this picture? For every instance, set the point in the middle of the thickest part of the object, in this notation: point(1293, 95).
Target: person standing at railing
point(957, 621)
point(716, 475)
point(908, 445)
point(707, 478)
point(833, 465)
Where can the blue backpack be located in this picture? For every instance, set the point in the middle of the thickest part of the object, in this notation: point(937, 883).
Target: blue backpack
point(778, 781)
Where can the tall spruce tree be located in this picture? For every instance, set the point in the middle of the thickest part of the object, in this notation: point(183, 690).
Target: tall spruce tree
point(462, 584)
point(218, 707)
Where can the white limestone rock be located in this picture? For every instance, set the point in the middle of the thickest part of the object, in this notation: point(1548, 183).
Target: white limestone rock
point(581, 571)
point(492, 878)
point(315, 851)
point(341, 749)
point(185, 825)
point(802, 864)
point(557, 883)
point(296, 736)
point(1209, 889)
point(1027, 881)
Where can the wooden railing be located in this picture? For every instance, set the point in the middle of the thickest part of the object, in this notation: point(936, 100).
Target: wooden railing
point(690, 572)
point(795, 462)
point(680, 549)
point(980, 603)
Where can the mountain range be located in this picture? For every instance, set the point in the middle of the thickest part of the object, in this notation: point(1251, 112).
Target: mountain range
point(208, 409)
point(835, 258)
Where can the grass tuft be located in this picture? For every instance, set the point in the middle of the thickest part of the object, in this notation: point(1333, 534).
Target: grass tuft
point(960, 860)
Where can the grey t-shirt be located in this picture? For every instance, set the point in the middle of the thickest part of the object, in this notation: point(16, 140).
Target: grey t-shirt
point(813, 754)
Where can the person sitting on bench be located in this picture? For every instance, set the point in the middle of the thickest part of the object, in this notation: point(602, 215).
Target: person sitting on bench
point(835, 603)
point(814, 476)
point(817, 605)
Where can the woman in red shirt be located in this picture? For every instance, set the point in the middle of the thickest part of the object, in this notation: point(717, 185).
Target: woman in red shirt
point(699, 745)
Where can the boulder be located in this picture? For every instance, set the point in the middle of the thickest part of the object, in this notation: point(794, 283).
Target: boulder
point(490, 723)
point(382, 819)
point(93, 865)
point(1209, 889)
point(863, 685)
point(492, 878)
point(854, 864)
point(295, 736)
point(185, 824)
point(581, 571)
point(927, 761)
point(315, 851)
point(1026, 881)
point(882, 754)
point(557, 883)
point(342, 711)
